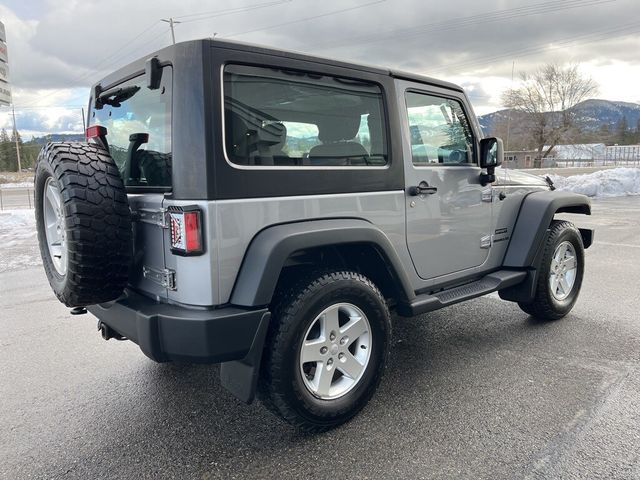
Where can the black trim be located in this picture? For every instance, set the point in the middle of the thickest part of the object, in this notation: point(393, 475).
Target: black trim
point(168, 332)
point(534, 218)
point(268, 251)
point(487, 284)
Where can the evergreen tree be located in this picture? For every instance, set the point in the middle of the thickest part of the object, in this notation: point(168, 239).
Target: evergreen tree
point(622, 131)
point(604, 135)
point(5, 151)
point(15, 135)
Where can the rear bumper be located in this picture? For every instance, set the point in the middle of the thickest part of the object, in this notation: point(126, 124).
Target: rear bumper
point(168, 332)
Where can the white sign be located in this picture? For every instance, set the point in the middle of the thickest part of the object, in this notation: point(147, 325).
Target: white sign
point(3, 52)
point(5, 94)
point(4, 72)
point(5, 87)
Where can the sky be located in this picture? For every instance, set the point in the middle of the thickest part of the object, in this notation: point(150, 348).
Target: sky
point(58, 49)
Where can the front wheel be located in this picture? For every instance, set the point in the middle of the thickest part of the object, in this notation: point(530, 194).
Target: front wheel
point(560, 273)
point(325, 351)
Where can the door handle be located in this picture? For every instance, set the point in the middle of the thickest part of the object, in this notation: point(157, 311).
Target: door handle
point(422, 189)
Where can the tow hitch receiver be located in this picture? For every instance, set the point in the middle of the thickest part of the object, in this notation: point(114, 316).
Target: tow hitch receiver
point(108, 333)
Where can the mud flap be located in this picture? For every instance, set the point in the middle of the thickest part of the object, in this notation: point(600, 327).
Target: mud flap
point(240, 377)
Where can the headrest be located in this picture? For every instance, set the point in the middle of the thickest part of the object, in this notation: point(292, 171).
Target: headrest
point(279, 130)
point(334, 129)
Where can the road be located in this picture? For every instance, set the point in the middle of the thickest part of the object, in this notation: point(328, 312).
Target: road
point(475, 391)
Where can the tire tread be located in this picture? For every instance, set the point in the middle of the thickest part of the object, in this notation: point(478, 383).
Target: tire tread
point(97, 220)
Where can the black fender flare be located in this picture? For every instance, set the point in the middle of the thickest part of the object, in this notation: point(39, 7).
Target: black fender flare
point(533, 222)
point(271, 247)
point(535, 216)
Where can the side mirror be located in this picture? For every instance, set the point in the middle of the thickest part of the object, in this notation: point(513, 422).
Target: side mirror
point(491, 156)
point(491, 152)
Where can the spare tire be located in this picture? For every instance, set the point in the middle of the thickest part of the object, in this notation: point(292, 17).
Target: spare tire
point(156, 167)
point(83, 222)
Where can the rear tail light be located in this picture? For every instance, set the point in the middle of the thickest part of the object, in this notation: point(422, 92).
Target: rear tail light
point(95, 131)
point(185, 224)
point(98, 133)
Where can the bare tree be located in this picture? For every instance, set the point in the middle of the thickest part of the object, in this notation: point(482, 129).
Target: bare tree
point(547, 98)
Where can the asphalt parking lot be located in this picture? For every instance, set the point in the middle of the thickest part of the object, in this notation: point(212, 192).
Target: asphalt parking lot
point(479, 390)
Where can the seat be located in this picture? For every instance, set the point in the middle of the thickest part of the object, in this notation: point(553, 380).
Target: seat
point(236, 136)
point(338, 147)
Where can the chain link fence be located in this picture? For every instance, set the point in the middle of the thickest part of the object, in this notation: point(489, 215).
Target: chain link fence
point(13, 197)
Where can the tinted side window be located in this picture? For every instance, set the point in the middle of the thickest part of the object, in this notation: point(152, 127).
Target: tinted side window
point(440, 131)
point(138, 122)
point(283, 118)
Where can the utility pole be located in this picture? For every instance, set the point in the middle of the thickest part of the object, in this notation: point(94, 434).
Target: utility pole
point(513, 66)
point(15, 136)
point(171, 23)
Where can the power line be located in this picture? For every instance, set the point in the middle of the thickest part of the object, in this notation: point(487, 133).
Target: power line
point(230, 11)
point(306, 19)
point(460, 22)
point(127, 46)
point(94, 69)
point(588, 38)
point(120, 61)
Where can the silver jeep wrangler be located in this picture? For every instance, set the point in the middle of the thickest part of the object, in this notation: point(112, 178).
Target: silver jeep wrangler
point(268, 211)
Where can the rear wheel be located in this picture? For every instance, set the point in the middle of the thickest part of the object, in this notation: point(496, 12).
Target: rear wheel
point(560, 273)
point(326, 350)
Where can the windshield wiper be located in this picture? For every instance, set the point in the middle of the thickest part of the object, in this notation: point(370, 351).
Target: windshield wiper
point(116, 97)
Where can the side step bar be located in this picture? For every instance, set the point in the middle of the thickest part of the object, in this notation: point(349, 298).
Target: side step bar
point(487, 284)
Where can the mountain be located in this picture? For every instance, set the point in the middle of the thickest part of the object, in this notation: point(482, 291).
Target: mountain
point(595, 114)
point(57, 137)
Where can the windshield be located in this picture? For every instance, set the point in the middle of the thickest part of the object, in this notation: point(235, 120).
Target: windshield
point(138, 122)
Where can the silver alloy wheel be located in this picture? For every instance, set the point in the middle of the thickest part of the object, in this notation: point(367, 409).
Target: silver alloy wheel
point(54, 226)
point(563, 271)
point(335, 351)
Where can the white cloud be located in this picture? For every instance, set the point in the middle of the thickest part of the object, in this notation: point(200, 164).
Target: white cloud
point(618, 80)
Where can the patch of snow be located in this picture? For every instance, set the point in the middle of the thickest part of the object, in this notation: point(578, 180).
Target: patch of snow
point(18, 240)
point(16, 226)
point(617, 182)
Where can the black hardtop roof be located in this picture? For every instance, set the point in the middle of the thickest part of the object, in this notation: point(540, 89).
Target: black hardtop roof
point(138, 65)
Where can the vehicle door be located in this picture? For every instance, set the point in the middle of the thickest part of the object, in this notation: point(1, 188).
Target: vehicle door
point(448, 210)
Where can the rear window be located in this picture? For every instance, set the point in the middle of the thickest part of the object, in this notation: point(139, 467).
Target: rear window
point(138, 122)
point(283, 118)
